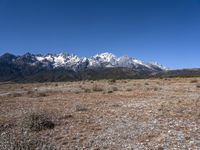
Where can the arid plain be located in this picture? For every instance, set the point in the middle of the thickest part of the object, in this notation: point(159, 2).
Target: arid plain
point(106, 114)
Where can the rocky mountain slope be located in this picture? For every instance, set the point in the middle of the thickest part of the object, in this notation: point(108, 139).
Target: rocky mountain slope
point(62, 67)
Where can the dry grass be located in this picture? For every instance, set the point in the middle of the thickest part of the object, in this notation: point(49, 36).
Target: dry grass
point(111, 81)
point(80, 107)
point(87, 90)
point(37, 121)
point(128, 89)
point(194, 81)
point(114, 88)
point(198, 85)
point(124, 114)
point(97, 88)
point(16, 141)
point(19, 135)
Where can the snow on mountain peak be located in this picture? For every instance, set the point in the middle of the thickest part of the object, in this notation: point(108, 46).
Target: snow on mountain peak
point(104, 59)
point(159, 65)
point(105, 56)
point(59, 61)
point(100, 60)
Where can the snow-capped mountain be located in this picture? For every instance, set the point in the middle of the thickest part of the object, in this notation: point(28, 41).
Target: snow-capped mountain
point(30, 64)
point(104, 60)
point(61, 60)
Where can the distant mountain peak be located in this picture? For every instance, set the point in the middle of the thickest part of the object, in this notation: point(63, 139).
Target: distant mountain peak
point(159, 65)
point(65, 66)
point(102, 60)
point(105, 55)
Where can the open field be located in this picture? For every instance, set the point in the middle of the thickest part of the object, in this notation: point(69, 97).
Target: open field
point(107, 114)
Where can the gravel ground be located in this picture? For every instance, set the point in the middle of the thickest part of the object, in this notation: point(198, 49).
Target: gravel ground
point(152, 114)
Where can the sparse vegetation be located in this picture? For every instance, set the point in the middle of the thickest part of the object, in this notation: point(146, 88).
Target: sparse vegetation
point(37, 121)
point(36, 93)
point(20, 135)
point(15, 94)
point(194, 81)
point(114, 88)
point(156, 88)
point(97, 88)
point(148, 117)
point(42, 94)
point(111, 81)
point(23, 141)
point(80, 107)
point(87, 90)
point(198, 85)
point(128, 89)
point(77, 92)
point(110, 91)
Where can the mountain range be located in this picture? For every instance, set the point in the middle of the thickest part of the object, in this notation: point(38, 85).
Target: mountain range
point(69, 67)
point(64, 67)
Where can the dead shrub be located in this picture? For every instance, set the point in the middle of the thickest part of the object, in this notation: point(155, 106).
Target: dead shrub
point(194, 81)
point(198, 85)
point(115, 88)
point(20, 137)
point(37, 121)
point(156, 89)
point(36, 93)
point(80, 107)
point(30, 92)
point(128, 89)
point(16, 94)
point(111, 81)
point(42, 94)
point(77, 92)
point(110, 91)
point(96, 88)
point(87, 90)
point(116, 105)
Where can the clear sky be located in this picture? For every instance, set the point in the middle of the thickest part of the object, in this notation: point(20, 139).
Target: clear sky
point(167, 31)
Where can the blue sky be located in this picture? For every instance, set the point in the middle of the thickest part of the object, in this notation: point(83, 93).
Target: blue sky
point(167, 31)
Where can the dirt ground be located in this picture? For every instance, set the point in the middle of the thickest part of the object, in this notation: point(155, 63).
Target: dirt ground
point(147, 114)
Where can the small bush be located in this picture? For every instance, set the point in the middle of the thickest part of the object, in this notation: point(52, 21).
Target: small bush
point(80, 107)
point(112, 81)
point(124, 81)
point(37, 121)
point(194, 81)
point(77, 92)
point(42, 94)
point(116, 105)
point(16, 94)
point(114, 88)
point(97, 88)
point(198, 85)
point(87, 90)
point(32, 93)
point(156, 88)
point(110, 91)
point(128, 89)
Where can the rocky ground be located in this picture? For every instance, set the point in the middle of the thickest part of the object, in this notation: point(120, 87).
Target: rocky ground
point(93, 115)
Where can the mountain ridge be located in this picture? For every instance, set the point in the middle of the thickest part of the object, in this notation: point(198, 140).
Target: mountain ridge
point(64, 59)
point(65, 66)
